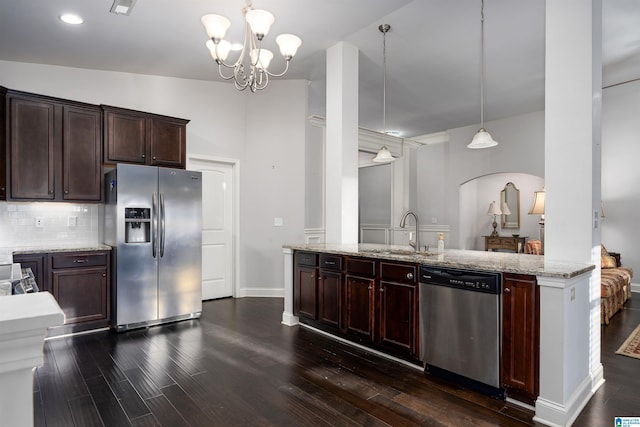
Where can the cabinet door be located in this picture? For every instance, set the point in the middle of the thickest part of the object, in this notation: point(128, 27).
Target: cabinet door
point(398, 316)
point(329, 297)
point(32, 148)
point(168, 142)
point(82, 293)
point(360, 306)
point(125, 137)
point(81, 154)
point(305, 292)
point(36, 262)
point(520, 335)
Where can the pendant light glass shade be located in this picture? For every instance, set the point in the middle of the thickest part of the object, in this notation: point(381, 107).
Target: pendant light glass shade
point(383, 156)
point(482, 139)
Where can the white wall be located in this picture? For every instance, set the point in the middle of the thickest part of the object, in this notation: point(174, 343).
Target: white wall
point(620, 172)
point(265, 131)
point(443, 168)
point(374, 194)
point(272, 184)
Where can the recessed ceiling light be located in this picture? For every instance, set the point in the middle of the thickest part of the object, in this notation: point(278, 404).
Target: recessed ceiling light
point(70, 18)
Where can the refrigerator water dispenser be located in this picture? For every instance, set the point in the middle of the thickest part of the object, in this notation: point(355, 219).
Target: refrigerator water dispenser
point(137, 225)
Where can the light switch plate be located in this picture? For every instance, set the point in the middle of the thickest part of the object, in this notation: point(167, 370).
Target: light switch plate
point(39, 222)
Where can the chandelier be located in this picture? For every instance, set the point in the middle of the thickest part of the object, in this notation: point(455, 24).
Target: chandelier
point(250, 70)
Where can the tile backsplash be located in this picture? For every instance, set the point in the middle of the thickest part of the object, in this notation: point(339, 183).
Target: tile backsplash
point(48, 224)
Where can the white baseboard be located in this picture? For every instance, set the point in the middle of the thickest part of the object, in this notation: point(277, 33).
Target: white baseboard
point(635, 287)
point(260, 293)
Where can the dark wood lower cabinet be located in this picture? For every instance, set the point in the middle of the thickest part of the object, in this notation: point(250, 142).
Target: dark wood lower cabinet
point(330, 298)
point(520, 336)
point(371, 302)
point(80, 283)
point(360, 306)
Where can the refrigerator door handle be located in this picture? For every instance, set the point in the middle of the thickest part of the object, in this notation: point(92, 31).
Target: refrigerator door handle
point(154, 225)
point(162, 225)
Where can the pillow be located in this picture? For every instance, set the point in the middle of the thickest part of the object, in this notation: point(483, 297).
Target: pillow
point(606, 260)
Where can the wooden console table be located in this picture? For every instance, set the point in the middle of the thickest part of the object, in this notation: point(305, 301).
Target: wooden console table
point(515, 244)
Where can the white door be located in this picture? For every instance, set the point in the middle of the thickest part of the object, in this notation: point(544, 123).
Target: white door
point(217, 227)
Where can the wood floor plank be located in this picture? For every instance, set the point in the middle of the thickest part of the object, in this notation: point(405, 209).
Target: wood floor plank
point(85, 413)
point(163, 410)
point(108, 405)
point(130, 400)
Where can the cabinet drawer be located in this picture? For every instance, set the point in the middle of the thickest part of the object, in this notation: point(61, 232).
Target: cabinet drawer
point(361, 267)
point(306, 258)
point(401, 273)
point(78, 260)
point(331, 262)
point(493, 241)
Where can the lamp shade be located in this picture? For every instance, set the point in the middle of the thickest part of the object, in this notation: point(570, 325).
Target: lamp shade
point(261, 58)
point(216, 26)
point(221, 51)
point(260, 22)
point(288, 44)
point(383, 156)
point(537, 208)
point(494, 209)
point(482, 139)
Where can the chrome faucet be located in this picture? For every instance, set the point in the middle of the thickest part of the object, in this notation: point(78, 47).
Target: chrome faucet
point(415, 245)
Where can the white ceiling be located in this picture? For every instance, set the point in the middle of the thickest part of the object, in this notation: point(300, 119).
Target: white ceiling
point(432, 49)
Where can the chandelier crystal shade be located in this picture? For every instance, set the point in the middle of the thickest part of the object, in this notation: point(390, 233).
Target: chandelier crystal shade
point(251, 68)
point(482, 138)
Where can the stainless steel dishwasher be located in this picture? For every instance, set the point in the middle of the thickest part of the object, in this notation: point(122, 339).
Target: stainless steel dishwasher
point(460, 326)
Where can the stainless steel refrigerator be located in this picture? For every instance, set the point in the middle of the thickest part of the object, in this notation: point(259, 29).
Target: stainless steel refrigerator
point(153, 222)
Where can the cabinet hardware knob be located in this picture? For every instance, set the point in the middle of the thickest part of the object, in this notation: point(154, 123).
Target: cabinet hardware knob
point(507, 290)
point(143, 156)
point(154, 157)
point(381, 289)
point(313, 277)
point(66, 191)
point(104, 274)
point(409, 276)
point(370, 287)
point(80, 261)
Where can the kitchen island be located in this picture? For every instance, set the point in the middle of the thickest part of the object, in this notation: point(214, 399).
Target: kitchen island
point(556, 316)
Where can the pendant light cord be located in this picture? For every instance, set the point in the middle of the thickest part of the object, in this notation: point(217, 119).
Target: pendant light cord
point(482, 64)
point(384, 30)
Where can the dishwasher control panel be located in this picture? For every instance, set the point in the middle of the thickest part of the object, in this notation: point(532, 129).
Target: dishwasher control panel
point(461, 279)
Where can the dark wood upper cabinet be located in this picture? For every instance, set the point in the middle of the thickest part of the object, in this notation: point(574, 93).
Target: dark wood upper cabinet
point(81, 153)
point(53, 149)
point(32, 144)
point(148, 139)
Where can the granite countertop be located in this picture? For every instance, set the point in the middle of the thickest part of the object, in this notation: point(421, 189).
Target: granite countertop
point(49, 249)
point(504, 262)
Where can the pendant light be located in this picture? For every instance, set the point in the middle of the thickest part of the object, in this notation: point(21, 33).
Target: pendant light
point(482, 138)
point(384, 156)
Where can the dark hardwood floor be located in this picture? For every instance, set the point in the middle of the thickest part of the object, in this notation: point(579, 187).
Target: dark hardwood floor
point(238, 366)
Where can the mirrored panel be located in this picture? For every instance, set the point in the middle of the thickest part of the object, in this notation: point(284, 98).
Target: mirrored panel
point(510, 205)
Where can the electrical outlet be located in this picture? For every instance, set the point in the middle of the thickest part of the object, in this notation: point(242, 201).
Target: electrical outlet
point(573, 294)
point(278, 222)
point(434, 220)
point(39, 222)
point(72, 221)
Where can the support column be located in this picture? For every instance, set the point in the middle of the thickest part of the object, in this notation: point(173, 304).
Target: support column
point(341, 150)
point(570, 368)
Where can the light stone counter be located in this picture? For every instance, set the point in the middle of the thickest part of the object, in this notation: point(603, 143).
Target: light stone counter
point(61, 248)
point(504, 262)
